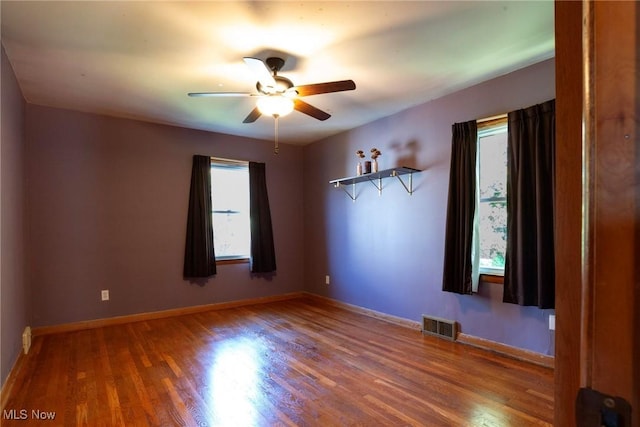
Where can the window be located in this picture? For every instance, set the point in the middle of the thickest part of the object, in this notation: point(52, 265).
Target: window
point(492, 196)
point(230, 201)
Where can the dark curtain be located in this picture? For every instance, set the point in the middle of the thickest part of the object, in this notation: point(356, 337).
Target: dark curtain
point(199, 255)
point(529, 276)
point(263, 254)
point(461, 208)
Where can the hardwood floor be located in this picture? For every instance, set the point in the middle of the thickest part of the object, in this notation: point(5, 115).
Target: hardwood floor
point(302, 362)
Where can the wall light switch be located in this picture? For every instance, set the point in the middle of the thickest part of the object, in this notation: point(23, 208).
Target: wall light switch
point(552, 322)
point(327, 280)
point(104, 294)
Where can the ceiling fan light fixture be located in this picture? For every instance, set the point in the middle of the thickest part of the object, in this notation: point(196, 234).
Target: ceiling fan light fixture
point(277, 96)
point(275, 105)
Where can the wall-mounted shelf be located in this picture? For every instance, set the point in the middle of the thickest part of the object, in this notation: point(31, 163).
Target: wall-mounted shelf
point(376, 179)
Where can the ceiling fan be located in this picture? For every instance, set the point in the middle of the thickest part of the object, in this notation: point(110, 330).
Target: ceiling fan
point(277, 96)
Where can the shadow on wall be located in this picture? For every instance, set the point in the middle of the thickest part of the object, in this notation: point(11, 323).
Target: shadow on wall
point(406, 154)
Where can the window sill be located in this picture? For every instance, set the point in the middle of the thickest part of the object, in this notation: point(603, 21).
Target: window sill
point(232, 261)
point(492, 278)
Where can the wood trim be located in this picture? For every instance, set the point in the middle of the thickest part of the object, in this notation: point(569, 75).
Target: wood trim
point(492, 278)
point(507, 350)
point(7, 387)
point(588, 168)
point(611, 105)
point(400, 321)
point(140, 317)
point(496, 347)
point(492, 121)
point(232, 261)
point(503, 349)
point(597, 65)
point(568, 215)
point(222, 160)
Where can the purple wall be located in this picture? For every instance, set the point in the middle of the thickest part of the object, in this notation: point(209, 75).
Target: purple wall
point(107, 210)
point(385, 252)
point(14, 313)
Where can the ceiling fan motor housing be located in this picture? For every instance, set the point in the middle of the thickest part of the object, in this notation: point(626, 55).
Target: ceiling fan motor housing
point(275, 64)
point(282, 84)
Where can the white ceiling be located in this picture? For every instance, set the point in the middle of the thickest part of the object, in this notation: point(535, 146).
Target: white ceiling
point(138, 59)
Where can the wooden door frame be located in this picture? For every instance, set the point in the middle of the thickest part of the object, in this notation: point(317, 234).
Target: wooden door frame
point(598, 203)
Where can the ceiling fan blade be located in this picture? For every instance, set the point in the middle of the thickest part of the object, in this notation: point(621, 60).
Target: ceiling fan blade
point(310, 110)
point(318, 88)
point(204, 94)
point(253, 116)
point(261, 71)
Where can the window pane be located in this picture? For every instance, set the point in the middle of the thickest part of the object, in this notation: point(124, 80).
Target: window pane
point(231, 235)
point(230, 197)
point(492, 188)
point(493, 165)
point(493, 234)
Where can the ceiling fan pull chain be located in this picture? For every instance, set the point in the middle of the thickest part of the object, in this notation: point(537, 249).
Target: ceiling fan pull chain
point(275, 149)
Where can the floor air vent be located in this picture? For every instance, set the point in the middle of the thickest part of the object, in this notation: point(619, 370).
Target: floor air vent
point(439, 327)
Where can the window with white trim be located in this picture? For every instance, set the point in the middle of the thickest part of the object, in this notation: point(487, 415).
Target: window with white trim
point(230, 201)
point(492, 196)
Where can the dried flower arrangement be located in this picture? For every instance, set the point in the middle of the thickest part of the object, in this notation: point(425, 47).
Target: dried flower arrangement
point(360, 155)
point(375, 153)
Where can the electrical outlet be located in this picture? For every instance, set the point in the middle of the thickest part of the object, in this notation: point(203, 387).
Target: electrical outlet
point(552, 322)
point(327, 280)
point(104, 294)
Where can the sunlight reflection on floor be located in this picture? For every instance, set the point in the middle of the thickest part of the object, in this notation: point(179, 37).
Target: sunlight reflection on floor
point(483, 416)
point(234, 381)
